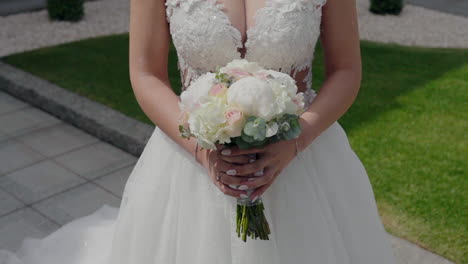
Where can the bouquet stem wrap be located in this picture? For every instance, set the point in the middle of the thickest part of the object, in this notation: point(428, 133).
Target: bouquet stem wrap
point(251, 221)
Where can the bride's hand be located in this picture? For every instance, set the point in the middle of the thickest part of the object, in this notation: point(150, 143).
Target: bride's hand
point(219, 170)
point(272, 159)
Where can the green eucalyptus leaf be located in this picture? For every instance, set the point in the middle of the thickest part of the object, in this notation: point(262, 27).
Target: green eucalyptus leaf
point(294, 129)
point(247, 138)
point(256, 128)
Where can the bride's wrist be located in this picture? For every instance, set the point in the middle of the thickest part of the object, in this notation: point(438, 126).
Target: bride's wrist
point(308, 134)
point(197, 152)
point(202, 157)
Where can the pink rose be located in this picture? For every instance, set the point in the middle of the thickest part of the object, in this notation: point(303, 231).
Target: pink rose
point(261, 75)
point(238, 73)
point(235, 120)
point(217, 89)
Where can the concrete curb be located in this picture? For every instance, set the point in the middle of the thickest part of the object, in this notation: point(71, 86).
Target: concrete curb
point(99, 120)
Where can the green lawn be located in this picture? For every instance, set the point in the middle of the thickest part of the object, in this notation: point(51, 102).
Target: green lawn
point(407, 125)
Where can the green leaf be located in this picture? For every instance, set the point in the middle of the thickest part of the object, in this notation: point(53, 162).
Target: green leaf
point(247, 138)
point(255, 127)
point(185, 133)
point(290, 127)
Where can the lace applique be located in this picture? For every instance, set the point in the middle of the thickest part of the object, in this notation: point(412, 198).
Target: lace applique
point(283, 37)
point(203, 37)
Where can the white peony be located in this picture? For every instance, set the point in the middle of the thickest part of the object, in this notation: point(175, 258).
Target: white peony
point(195, 93)
point(253, 97)
point(285, 79)
point(284, 99)
point(207, 122)
point(242, 64)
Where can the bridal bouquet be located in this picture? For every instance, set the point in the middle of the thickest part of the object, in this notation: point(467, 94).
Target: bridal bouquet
point(244, 105)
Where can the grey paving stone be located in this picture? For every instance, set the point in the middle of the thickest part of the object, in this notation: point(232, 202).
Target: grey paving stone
point(14, 155)
point(8, 103)
point(115, 182)
point(57, 139)
point(39, 181)
point(97, 119)
point(8, 203)
point(95, 160)
point(21, 224)
point(78, 202)
point(25, 120)
point(409, 253)
point(4, 136)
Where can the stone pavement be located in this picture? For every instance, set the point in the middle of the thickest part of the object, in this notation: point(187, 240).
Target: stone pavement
point(52, 173)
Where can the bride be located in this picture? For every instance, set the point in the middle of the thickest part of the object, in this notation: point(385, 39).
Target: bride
point(178, 205)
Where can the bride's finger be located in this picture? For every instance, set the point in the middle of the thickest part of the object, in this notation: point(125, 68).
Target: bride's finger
point(254, 167)
point(220, 147)
point(242, 159)
point(233, 180)
point(259, 191)
point(236, 151)
point(258, 181)
point(224, 188)
point(223, 166)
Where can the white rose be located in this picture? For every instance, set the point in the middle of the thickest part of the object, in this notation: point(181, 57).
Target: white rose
point(253, 97)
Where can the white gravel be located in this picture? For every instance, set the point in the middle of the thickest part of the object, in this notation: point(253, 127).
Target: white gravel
point(415, 26)
point(27, 31)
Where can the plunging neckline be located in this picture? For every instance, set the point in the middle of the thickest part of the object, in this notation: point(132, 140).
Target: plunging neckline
point(248, 31)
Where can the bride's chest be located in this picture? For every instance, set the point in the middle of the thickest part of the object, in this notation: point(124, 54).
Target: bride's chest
point(283, 35)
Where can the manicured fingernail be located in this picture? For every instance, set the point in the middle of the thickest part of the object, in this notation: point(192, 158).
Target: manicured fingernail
point(254, 199)
point(231, 172)
point(251, 160)
point(243, 187)
point(258, 173)
point(243, 195)
point(233, 186)
point(226, 152)
point(251, 179)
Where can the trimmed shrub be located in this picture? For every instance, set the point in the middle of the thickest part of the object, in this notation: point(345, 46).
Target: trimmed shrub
point(382, 7)
point(68, 10)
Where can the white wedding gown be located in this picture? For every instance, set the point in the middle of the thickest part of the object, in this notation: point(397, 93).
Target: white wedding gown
point(321, 208)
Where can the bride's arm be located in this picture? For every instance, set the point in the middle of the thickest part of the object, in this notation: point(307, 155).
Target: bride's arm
point(149, 48)
point(148, 60)
point(340, 42)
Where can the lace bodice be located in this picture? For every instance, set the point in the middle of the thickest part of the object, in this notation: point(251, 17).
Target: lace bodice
point(283, 37)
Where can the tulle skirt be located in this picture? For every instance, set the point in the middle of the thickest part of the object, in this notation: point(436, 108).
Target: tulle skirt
point(321, 209)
